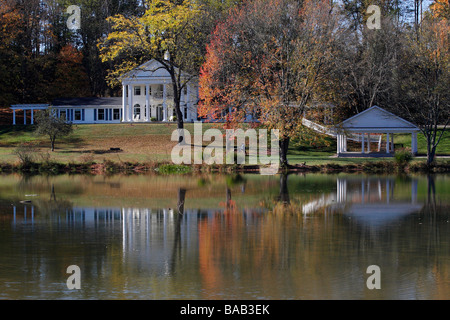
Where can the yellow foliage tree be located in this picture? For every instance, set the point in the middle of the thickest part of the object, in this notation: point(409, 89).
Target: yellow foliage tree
point(172, 27)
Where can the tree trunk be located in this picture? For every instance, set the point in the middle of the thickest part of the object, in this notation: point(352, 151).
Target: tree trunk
point(180, 123)
point(181, 199)
point(431, 154)
point(53, 144)
point(176, 87)
point(284, 145)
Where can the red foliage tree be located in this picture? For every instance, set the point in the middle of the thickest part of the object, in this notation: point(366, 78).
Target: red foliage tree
point(266, 59)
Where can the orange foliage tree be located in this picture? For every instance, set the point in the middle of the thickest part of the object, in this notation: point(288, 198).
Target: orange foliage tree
point(266, 60)
point(11, 28)
point(71, 79)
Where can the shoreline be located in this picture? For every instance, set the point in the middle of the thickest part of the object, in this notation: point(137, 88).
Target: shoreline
point(167, 168)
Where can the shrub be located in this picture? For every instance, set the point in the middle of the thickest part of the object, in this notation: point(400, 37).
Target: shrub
point(26, 152)
point(152, 119)
point(402, 157)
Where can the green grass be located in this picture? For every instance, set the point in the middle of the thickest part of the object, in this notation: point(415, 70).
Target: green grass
point(143, 143)
point(323, 153)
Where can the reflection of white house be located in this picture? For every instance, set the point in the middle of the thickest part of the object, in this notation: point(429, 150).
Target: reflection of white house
point(147, 96)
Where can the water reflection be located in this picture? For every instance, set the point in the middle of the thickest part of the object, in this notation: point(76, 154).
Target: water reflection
point(216, 239)
point(371, 200)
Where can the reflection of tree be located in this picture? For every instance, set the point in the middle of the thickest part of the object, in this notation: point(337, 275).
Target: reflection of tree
point(232, 181)
point(53, 206)
point(181, 199)
point(53, 194)
point(431, 194)
point(283, 197)
point(176, 252)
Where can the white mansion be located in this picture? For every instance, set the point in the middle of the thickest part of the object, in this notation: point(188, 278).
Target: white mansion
point(147, 96)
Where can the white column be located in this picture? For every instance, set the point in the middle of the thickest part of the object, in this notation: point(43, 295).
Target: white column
point(147, 102)
point(414, 142)
point(124, 103)
point(32, 116)
point(368, 143)
point(392, 143)
point(14, 117)
point(338, 140)
point(164, 102)
point(362, 143)
point(345, 143)
point(130, 103)
point(388, 148)
point(24, 116)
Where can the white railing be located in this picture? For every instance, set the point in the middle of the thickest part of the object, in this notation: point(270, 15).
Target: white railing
point(319, 128)
point(333, 132)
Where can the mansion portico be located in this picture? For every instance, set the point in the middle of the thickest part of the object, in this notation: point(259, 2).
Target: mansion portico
point(147, 96)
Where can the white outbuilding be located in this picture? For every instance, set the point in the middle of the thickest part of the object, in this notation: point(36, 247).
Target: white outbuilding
point(373, 125)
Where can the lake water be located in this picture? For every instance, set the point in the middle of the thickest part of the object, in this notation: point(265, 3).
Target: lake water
point(307, 236)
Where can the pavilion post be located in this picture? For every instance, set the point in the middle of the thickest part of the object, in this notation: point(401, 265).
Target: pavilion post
point(14, 117)
point(414, 143)
point(32, 116)
point(362, 143)
point(388, 149)
point(392, 143)
point(339, 139)
point(24, 116)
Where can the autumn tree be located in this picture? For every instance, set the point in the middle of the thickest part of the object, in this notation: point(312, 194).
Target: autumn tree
point(440, 9)
point(71, 79)
point(425, 79)
point(171, 32)
point(11, 28)
point(266, 59)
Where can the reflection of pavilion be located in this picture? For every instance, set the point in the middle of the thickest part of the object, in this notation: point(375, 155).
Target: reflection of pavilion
point(370, 200)
point(370, 189)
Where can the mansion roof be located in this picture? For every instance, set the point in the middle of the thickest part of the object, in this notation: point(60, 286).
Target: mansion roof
point(114, 101)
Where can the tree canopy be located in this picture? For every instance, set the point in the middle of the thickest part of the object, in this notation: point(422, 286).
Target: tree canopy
point(266, 59)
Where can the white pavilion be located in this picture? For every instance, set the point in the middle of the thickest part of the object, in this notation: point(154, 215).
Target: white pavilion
point(372, 125)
